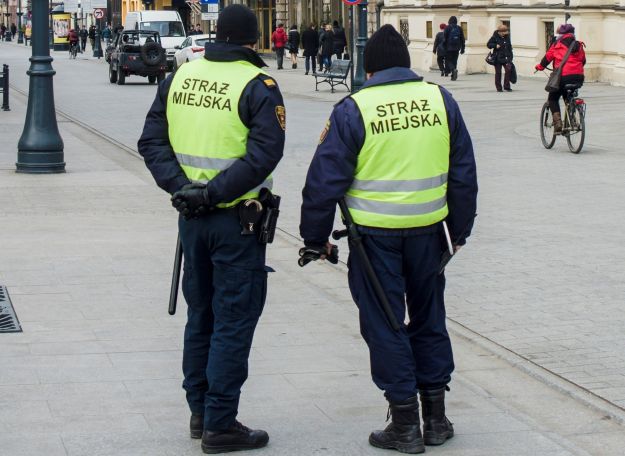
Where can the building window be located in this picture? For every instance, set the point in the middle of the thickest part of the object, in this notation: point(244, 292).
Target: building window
point(465, 30)
point(549, 34)
point(428, 29)
point(404, 30)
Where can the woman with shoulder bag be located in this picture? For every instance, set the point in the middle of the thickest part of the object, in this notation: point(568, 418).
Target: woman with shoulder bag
point(502, 54)
point(572, 71)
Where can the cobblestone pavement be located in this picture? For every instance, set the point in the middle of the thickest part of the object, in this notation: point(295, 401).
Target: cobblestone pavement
point(86, 257)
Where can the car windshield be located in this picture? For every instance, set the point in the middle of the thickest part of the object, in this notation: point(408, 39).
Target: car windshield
point(202, 41)
point(139, 38)
point(164, 28)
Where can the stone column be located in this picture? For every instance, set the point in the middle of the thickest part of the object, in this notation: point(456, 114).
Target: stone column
point(282, 12)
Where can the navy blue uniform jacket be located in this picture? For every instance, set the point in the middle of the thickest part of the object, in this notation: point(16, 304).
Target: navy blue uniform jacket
point(257, 110)
point(332, 168)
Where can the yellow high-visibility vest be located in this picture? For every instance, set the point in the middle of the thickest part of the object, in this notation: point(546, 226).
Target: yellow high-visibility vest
point(401, 173)
point(205, 129)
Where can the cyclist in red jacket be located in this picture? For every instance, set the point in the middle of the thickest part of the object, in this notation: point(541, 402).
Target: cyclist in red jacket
point(572, 72)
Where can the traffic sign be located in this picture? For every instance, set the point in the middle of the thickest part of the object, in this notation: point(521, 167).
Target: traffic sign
point(351, 2)
point(210, 16)
point(98, 13)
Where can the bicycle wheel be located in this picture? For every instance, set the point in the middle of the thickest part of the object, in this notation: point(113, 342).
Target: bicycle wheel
point(577, 131)
point(547, 132)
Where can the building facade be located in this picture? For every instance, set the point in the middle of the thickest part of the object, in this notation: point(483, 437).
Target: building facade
point(532, 23)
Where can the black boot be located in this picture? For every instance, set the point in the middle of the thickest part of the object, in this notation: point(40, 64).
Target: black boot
point(196, 426)
point(436, 427)
point(404, 432)
point(237, 438)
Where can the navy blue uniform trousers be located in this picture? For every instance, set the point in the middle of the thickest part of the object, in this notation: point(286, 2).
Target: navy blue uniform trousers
point(225, 285)
point(419, 355)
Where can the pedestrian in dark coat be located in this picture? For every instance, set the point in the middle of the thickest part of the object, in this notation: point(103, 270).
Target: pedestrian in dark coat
point(327, 47)
point(321, 32)
point(92, 36)
point(3, 29)
point(502, 49)
point(13, 30)
point(340, 39)
point(293, 45)
point(454, 45)
point(84, 34)
point(439, 49)
point(310, 43)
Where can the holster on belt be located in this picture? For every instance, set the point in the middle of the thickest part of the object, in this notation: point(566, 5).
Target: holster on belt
point(269, 220)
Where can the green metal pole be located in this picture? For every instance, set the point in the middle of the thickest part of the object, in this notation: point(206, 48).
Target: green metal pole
point(360, 77)
point(40, 148)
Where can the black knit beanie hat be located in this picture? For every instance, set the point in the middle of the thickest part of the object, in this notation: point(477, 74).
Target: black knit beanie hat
point(237, 24)
point(386, 49)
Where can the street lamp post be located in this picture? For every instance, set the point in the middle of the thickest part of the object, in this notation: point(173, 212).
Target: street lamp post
point(40, 148)
point(20, 34)
point(97, 48)
point(360, 77)
point(50, 28)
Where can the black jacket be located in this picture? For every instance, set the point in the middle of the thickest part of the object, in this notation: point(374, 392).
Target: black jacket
point(503, 54)
point(327, 43)
point(439, 44)
point(447, 41)
point(293, 40)
point(340, 39)
point(310, 42)
point(257, 110)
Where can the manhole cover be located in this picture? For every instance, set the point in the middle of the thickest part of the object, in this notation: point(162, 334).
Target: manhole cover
point(8, 319)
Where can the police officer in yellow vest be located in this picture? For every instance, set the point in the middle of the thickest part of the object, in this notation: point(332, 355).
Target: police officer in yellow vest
point(212, 138)
point(400, 155)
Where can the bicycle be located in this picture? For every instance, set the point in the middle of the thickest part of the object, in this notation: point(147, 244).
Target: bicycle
point(573, 121)
point(73, 50)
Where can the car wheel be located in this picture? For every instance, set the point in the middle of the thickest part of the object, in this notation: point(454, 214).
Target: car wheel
point(151, 79)
point(112, 74)
point(121, 78)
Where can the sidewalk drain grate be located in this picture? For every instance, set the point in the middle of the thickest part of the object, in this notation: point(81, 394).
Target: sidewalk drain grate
point(8, 319)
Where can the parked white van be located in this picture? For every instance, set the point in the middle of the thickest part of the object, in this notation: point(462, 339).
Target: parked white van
point(168, 25)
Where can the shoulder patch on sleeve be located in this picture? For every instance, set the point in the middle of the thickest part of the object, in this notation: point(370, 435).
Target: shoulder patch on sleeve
point(281, 116)
point(268, 81)
point(324, 133)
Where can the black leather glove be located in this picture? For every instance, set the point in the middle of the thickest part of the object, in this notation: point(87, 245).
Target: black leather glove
point(314, 253)
point(192, 201)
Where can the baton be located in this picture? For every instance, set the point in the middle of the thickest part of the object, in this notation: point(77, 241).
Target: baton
point(355, 242)
point(175, 278)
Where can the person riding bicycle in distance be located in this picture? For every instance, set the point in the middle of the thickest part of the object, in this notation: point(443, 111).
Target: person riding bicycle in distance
point(72, 37)
point(572, 72)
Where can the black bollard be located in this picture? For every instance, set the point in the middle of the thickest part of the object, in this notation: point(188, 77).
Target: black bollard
point(5, 88)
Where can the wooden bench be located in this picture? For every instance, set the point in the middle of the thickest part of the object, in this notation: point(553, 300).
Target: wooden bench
point(335, 76)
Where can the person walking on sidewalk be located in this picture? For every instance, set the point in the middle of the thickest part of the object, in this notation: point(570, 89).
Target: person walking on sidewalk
point(340, 39)
point(327, 47)
point(214, 155)
point(502, 49)
point(13, 30)
point(400, 156)
point(83, 33)
point(310, 43)
point(279, 39)
point(293, 43)
point(92, 31)
point(454, 45)
point(439, 49)
point(106, 35)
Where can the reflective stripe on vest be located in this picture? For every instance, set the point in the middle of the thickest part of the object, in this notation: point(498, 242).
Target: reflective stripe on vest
point(205, 130)
point(401, 172)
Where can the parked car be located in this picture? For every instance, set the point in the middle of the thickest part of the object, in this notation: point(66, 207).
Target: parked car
point(166, 22)
point(192, 48)
point(137, 52)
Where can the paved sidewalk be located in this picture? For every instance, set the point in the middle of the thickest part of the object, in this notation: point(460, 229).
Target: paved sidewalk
point(87, 258)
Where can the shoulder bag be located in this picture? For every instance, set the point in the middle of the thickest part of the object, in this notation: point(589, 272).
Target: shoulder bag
point(553, 84)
